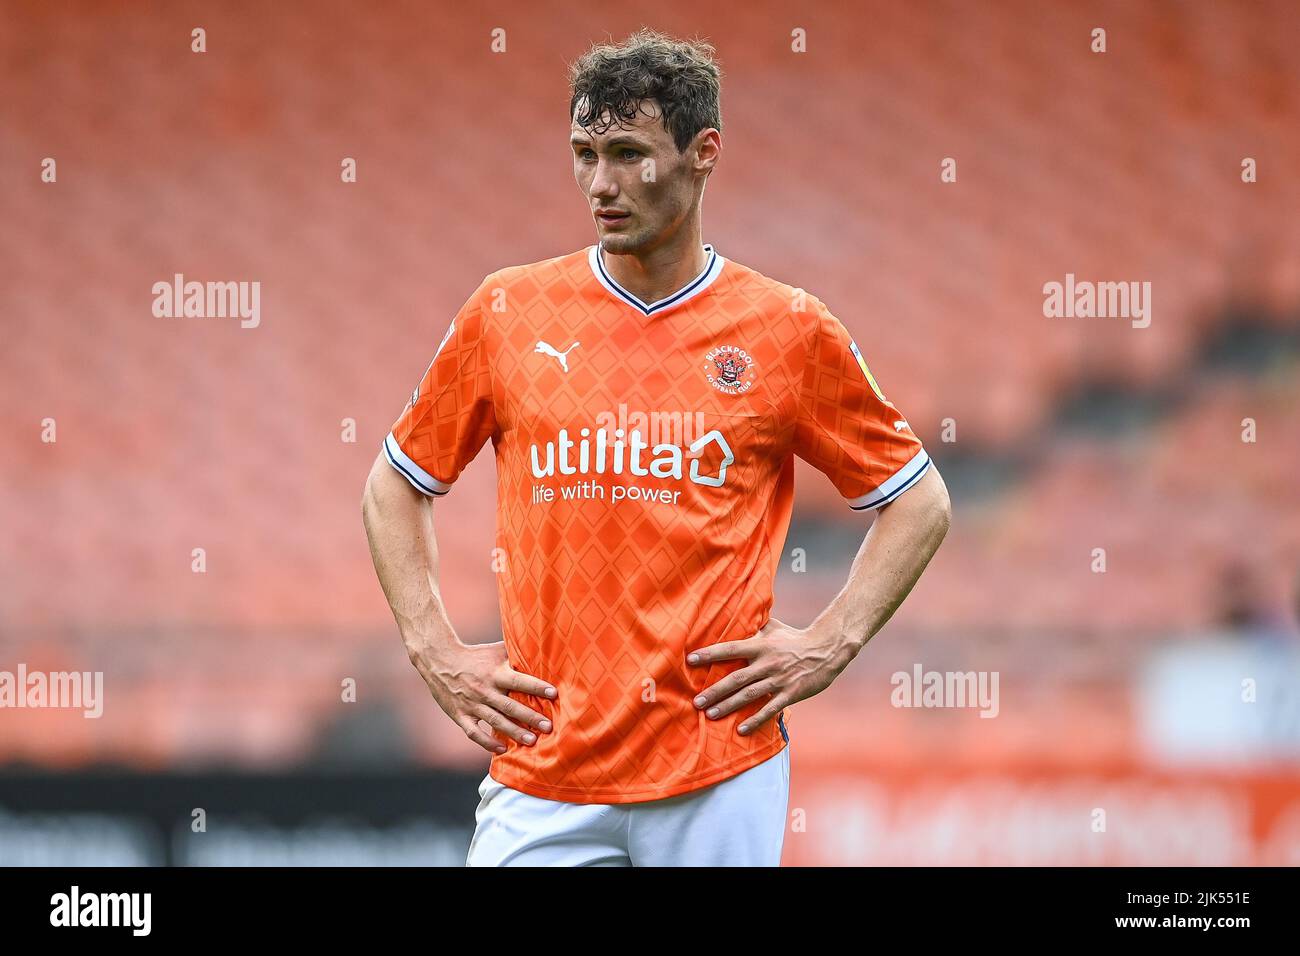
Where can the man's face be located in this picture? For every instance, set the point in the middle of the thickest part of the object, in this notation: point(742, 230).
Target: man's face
point(634, 173)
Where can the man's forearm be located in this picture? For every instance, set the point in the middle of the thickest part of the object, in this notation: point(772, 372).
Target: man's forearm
point(896, 550)
point(471, 683)
point(399, 528)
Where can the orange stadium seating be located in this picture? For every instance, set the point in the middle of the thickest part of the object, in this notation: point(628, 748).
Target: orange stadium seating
point(178, 434)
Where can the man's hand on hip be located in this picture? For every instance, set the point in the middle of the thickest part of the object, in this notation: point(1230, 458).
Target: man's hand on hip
point(470, 683)
point(785, 664)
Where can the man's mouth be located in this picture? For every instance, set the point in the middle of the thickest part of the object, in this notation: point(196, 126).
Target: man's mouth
point(610, 216)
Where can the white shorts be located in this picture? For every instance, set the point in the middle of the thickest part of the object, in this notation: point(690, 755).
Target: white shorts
point(739, 821)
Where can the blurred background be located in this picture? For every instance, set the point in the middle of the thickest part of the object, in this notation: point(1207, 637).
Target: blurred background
point(1125, 554)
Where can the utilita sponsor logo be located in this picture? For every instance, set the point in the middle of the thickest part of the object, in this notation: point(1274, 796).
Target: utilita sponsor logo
point(600, 455)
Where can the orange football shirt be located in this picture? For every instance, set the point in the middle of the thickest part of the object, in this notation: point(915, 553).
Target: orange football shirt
point(645, 481)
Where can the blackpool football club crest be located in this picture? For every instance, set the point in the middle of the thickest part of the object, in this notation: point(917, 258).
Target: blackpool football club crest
point(730, 369)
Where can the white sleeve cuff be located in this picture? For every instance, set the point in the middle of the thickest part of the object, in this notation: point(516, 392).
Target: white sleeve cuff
point(901, 480)
point(420, 479)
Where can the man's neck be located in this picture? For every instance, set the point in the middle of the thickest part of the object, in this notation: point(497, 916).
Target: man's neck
point(659, 273)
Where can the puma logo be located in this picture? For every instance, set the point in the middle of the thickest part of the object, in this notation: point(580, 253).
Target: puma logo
point(545, 348)
point(900, 425)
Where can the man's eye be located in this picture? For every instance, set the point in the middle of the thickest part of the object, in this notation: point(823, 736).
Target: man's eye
point(630, 153)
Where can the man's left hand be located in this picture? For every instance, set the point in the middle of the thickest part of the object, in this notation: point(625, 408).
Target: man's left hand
point(785, 663)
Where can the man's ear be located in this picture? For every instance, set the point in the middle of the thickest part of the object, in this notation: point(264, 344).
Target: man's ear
point(707, 150)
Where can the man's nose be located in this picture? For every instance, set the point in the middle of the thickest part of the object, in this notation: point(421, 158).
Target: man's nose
point(603, 183)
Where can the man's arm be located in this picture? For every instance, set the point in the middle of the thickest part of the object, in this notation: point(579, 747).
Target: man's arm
point(788, 664)
point(905, 536)
point(469, 682)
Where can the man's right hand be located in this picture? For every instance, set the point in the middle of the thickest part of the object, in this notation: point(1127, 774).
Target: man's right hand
point(470, 682)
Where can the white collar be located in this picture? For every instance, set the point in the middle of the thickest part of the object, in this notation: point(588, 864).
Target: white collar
point(712, 269)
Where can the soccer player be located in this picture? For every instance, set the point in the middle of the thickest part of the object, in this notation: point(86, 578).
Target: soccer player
point(644, 397)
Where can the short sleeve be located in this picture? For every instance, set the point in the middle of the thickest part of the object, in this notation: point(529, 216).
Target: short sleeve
point(846, 428)
point(450, 414)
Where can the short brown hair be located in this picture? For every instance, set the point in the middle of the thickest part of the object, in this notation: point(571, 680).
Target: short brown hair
point(679, 75)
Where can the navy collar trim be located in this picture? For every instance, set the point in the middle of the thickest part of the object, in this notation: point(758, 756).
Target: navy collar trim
point(712, 269)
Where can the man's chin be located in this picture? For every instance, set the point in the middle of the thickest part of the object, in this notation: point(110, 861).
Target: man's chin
point(621, 245)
